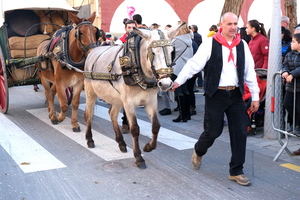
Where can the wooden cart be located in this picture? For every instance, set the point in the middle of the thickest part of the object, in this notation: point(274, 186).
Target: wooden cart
point(25, 24)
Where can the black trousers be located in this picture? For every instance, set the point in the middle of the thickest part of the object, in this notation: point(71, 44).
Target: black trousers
point(289, 106)
point(230, 103)
point(190, 87)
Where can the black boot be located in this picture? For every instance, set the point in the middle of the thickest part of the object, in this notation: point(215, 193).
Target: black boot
point(181, 116)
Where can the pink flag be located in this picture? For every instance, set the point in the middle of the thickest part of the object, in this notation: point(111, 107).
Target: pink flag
point(130, 11)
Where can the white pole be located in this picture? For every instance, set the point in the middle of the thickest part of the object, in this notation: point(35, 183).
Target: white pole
point(274, 65)
point(1, 14)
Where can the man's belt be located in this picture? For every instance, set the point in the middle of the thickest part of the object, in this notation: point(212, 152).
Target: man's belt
point(227, 88)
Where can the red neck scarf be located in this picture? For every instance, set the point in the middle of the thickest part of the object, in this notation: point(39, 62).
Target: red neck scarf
point(220, 38)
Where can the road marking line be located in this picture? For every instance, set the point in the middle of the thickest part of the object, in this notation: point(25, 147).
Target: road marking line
point(27, 153)
point(291, 166)
point(106, 148)
point(165, 136)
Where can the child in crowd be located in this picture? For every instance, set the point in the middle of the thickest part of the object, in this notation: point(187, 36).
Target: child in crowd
point(290, 73)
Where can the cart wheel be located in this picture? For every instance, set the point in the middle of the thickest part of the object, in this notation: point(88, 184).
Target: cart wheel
point(69, 93)
point(3, 85)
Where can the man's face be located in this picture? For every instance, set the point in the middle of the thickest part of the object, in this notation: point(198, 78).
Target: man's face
point(229, 25)
point(129, 27)
point(295, 45)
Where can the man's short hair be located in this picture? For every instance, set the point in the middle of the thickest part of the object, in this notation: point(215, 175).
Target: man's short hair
point(195, 28)
point(297, 29)
point(137, 18)
point(130, 21)
point(125, 20)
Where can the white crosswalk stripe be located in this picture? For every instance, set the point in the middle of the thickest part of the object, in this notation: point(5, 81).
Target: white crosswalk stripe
point(27, 153)
point(106, 148)
point(165, 136)
point(35, 158)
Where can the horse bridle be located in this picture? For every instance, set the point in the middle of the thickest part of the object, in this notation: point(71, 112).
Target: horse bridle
point(163, 43)
point(85, 48)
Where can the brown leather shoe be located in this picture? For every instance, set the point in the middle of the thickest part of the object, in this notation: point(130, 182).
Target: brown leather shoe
point(196, 161)
point(297, 152)
point(240, 179)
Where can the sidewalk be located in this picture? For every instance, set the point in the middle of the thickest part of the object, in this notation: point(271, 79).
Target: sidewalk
point(255, 143)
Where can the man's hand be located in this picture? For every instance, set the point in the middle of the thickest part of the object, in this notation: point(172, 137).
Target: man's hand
point(254, 106)
point(174, 86)
point(284, 75)
point(289, 78)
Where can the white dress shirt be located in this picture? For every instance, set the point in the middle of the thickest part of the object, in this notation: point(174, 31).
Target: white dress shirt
point(229, 72)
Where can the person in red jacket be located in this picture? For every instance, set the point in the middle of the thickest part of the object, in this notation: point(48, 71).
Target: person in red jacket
point(259, 43)
point(129, 25)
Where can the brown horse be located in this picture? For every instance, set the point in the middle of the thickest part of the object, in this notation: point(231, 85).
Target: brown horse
point(145, 63)
point(55, 72)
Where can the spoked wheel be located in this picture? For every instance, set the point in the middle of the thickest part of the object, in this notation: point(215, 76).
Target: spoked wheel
point(69, 93)
point(3, 85)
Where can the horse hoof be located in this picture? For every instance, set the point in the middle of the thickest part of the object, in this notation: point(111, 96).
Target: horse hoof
point(141, 165)
point(148, 148)
point(123, 148)
point(91, 144)
point(54, 121)
point(76, 129)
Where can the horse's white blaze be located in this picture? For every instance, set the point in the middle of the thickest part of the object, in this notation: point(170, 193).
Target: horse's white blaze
point(27, 153)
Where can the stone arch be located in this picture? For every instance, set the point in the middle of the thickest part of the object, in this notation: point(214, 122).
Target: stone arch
point(109, 7)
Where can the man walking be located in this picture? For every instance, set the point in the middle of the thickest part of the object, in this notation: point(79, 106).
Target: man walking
point(227, 64)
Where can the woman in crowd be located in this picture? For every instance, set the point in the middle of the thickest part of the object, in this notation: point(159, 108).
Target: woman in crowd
point(259, 43)
point(183, 52)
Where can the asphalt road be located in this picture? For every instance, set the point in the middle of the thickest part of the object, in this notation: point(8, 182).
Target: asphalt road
point(41, 161)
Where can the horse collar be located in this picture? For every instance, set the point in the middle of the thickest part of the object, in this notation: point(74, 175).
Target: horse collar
point(130, 64)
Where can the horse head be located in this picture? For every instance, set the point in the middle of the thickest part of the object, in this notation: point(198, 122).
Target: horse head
point(84, 34)
point(155, 54)
point(159, 52)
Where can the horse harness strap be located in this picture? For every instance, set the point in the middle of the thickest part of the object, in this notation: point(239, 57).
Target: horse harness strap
point(101, 76)
point(130, 62)
point(59, 47)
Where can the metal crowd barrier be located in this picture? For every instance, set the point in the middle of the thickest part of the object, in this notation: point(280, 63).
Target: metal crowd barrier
point(279, 115)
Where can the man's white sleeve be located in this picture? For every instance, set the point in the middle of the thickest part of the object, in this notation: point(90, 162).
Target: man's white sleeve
point(250, 74)
point(196, 63)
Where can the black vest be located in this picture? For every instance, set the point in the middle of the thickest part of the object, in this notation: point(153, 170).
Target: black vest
point(213, 68)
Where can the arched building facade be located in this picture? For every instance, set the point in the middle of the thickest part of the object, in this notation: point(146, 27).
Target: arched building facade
point(107, 9)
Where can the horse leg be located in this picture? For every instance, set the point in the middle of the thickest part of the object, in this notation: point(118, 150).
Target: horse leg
point(50, 93)
point(155, 128)
point(135, 131)
point(62, 98)
point(114, 112)
point(89, 112)
point(75, 103)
